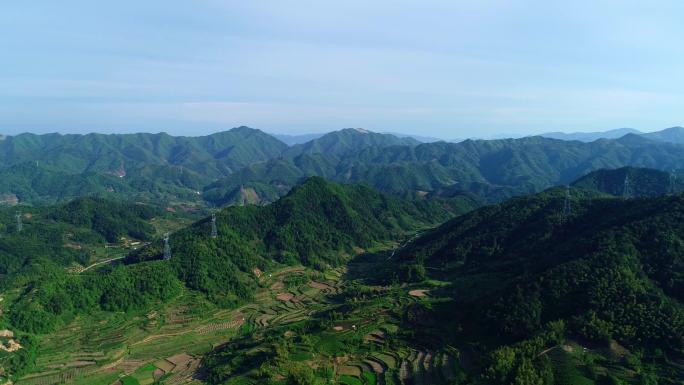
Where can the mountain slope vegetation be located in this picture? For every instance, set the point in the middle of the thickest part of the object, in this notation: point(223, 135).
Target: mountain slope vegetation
point(631, 182)
point(63, 234)
point(493, 169)
point(524, 279)
point(212, 156)
point(317, 224)
point(245, 165)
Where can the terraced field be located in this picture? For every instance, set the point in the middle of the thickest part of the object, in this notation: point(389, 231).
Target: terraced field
point(166, 345)
point(110, 345)
point(360, 346)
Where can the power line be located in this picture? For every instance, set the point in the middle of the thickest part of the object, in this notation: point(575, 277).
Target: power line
point(20, 224)
point(214, 232)
point(167, 247)
point(627, 189)
point(567, 208)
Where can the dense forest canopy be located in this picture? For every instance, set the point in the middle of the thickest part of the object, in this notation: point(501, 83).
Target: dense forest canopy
point(632, 182)
point(318, 224)
point(244, 165)
point(613, 269)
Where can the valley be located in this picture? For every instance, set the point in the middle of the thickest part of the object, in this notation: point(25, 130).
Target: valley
point(341, 283)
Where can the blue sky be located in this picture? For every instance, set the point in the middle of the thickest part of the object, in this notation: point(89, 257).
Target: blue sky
point(441, 68)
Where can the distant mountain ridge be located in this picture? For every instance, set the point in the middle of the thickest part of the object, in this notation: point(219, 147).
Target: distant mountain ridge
point(213, 155)
point(672, 134)
point(347, 141)
point(493, 169)
point(245, 165)
point(291, 140)
point(591, 136)
point(53, 167)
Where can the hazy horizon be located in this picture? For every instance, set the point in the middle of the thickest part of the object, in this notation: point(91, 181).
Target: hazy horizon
point(438, 68)
point(321, 133)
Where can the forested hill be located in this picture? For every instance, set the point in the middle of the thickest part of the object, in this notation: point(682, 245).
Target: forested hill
point(212, 156)
point(38, 184)
point(317, 224)
point(524, 277)
point(66, 234)
point(493, 169)
point(45, 169)
point(244, 165)
point(632, 182)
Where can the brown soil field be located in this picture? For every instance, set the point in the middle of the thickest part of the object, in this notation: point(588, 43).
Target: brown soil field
point(318, 285)
point(284, 296)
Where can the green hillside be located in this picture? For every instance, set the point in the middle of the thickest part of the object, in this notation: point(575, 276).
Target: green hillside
point(69, 233)
point(524, 280)
point(244, 165)
point(492, 169)
point(317, 224)
point(631, 182)
point(338, 283)
point(36, 184)
point(117, 154)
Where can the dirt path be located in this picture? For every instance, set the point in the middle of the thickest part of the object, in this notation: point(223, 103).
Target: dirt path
point(101, 263)
point(546, 351)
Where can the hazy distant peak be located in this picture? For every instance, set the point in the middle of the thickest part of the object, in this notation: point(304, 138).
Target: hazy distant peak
point(672, 134)
point(291, 140)
point(591, 136)
point(346, 141)
point(634, 139)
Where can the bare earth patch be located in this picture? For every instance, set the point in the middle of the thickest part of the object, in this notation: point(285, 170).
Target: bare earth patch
point(418, 293)
point(319, 285)
point(284, 296)
point(277, 286)
point(158, 373)
point(180, 359)
point(349, 371)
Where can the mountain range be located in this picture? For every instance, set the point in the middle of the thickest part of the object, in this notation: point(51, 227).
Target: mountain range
point(245, 165)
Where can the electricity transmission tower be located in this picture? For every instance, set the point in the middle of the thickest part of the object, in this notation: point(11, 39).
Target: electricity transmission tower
point(673, 183)
point(20, 225)
point(167, 247)
point(567, 208)
point(214, 232)
point(627, 189)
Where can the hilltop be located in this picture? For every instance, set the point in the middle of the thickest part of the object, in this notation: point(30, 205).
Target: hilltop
point(347, 141)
